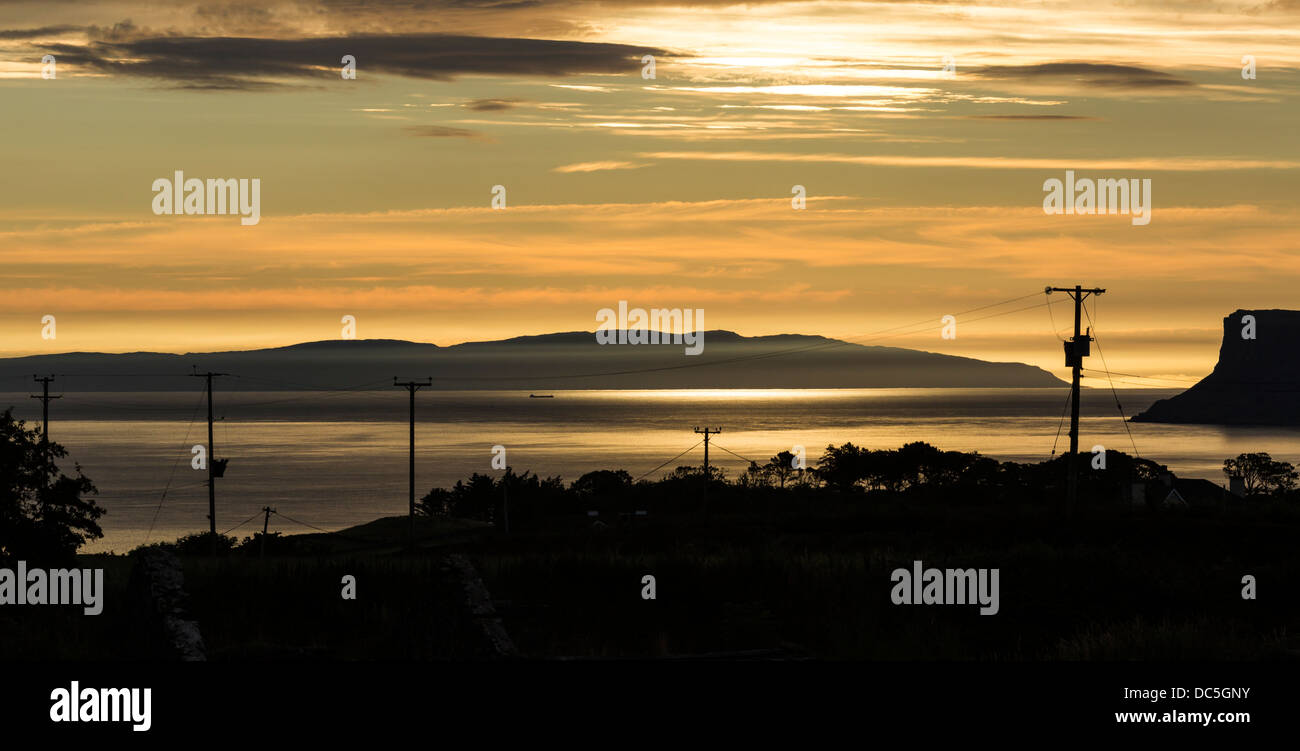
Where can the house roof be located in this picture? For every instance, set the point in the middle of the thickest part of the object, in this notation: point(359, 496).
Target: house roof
point(1196, 491)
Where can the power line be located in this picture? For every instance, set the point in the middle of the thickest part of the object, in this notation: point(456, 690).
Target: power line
point(670, 461)
point(237, 526)
point(336, 535)
point(930, 321)
point(887, 333)
point(859, 339)
point(1136, 384)
point(79, 402)
point(929, 325)
point(1134, 375)
point(736, 455)
point(105, 375)
point(357, 389)
point(1069, 394)
point(295, 521)
point(1047, 303)
point(1092, 327)
point(193, 416)
point(304, 386)
point(151, 491)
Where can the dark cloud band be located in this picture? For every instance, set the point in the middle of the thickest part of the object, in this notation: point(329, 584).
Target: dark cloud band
point(246, 63)
point(1092, 74)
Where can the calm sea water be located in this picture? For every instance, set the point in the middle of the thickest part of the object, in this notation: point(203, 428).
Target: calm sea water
point(334, 459)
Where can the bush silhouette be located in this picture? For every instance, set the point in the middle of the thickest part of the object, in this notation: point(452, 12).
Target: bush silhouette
point(44, 516)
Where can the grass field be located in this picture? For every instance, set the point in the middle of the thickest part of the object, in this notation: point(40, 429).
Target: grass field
point(1112, 585)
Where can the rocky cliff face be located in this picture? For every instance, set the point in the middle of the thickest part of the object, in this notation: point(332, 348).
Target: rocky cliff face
point(1255, 382)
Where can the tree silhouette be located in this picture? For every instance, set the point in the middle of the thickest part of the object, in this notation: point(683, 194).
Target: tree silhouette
point(1260, 473)
point(781, 467)
point(43, 515)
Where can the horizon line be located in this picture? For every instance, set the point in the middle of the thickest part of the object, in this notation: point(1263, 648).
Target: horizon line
point(9, 356)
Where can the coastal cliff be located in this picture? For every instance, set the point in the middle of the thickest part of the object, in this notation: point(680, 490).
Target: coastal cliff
point(1255, 382)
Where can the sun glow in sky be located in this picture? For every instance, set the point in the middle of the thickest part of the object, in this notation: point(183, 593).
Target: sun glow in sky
point(924, 185)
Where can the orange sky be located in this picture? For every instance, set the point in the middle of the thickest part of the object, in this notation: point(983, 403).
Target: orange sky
point(924, 187)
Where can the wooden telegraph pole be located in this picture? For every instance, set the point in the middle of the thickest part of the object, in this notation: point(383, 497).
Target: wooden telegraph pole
point(706, 432)
point(412, 386)
point(45, 422)
point(45, 410)
point(1076, 349)
point(266, 522)
point(213, 471)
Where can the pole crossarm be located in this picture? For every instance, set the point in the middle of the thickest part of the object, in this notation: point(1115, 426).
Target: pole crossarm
point(1076, 289)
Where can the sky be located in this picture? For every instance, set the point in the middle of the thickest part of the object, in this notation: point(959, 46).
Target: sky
point(921, 135)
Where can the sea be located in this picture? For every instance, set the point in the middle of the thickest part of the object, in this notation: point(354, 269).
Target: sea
point(327, 460)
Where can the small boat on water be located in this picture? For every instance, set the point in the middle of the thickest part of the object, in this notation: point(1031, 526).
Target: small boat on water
point(541, 396)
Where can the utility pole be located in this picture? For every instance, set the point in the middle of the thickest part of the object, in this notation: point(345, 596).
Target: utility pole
point(1076, 349)
point(706, 432)
point(266, 522)
point(212, 463)
point(45, 407)
point(45, 417)
point(412, 386)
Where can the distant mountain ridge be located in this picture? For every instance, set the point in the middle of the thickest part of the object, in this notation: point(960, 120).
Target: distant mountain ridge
point(1255, 382)
point(567, 360)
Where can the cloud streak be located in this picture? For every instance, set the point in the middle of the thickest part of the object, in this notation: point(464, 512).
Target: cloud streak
point(441, 131)
point(1149, 164)
point(225, 63)
point(1107, 75)
point(597, 166)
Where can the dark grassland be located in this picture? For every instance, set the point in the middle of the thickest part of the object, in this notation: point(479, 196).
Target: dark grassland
point(810, 580)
